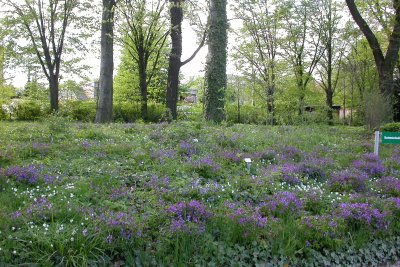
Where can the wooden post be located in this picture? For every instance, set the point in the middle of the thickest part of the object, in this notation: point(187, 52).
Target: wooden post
point(376, 147)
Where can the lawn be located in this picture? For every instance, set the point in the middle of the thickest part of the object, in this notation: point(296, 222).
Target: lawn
point(180, 194)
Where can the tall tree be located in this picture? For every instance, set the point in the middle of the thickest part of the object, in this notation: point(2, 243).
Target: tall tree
point(260, 23)
point(216, 79)
point(144, 36)
point(175, 63)
point(105, 99)
point(44, 23)
point(384, 63)
point(302, 45)
point(329, 67)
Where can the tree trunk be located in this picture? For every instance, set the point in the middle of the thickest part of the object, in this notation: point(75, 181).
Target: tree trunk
point(54, 84)
point(301, 88)
point(176, 13)
point(329, 89)
point(105, 99)
point(143, 89)
point(271, 98)
point(386, 82)
point(216, 79)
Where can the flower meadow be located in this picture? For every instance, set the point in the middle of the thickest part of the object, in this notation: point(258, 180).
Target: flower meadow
point(180, 194)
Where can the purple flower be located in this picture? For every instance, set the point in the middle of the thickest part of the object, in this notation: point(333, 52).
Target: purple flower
point(395, 201)
point(187, 216)
point(290, 153)
point(85, 232)
point(246, 215)
point(187, 149)
point(118, 224)
point(232, 156)
point(86, 144)
point(348, 180)
point(48, 179)
point(370, 164)
point(389, 185)
point(40, 148)
point(109, 239)
point(311, 171)
point(363, 213)
point(284, 203)
point(290, 173)
point(206, 167)
point(29, 174)
point(41, 208)
point(16, 214)
point(162, 154)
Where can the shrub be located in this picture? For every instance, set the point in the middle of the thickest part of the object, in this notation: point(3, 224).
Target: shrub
point(391, 127)
point(248, 114)
point(28, 110)
point(80, 110)
point(377, 109)
point(126, 112)
point(130, 112)
point(3, 112)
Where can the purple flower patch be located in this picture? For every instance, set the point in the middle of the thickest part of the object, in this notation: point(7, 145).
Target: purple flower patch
point(370, 164)
point(119, 224)
point(348, 180)
point(207, 167)
point(290, 173)
point(29, 174)
point(40, 148)
point(40, 208)
point(189, 217)
point(247, 215)
point(362, 213)
point(162, 154)
point(187, 148)
point(389, 186)
point(284, 203)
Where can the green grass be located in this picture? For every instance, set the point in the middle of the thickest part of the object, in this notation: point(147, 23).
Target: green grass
point(140, 170)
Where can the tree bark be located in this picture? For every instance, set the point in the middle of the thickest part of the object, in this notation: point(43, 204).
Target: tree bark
point(54, 89)
point(176, 13)
point(105, 101)
point(216, 78)
point(384, 63)
point(329, 89)
point(143, 87)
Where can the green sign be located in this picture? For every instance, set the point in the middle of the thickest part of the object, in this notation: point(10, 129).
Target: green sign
point(390, 137)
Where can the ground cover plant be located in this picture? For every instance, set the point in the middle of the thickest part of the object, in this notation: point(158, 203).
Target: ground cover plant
point(78, 194)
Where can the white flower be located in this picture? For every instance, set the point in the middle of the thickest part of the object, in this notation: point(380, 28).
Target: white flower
point(72, 239)
point(14, 252)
